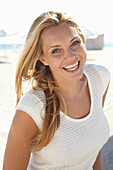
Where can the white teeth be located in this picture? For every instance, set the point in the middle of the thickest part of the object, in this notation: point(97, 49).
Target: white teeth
point(72, 67)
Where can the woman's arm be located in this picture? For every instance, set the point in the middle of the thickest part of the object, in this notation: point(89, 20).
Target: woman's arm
point(105, 95)
point(98, 162)
point(17, 152)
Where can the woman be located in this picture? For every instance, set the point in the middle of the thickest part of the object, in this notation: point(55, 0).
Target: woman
point(59, 123)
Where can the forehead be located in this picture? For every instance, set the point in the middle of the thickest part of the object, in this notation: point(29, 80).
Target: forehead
point(59, 32)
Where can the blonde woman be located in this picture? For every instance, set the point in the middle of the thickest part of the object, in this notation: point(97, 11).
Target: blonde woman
point(59, 123)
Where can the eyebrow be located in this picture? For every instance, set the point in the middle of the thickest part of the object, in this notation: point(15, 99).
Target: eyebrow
point(74, 38)
point(56, 46)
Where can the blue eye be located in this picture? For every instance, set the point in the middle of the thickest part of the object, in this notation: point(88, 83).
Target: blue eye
point(76, 42)
point(55, 51)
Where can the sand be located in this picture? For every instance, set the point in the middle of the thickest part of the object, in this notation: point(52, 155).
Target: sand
point(8, 60)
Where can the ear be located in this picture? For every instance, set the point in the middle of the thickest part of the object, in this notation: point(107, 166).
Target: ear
point(43, 60)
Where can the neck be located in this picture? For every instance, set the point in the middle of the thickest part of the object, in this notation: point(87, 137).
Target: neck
point(70, 89)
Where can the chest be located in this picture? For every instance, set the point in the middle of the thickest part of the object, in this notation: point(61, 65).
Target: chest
point(79, 107)
point(77, 141)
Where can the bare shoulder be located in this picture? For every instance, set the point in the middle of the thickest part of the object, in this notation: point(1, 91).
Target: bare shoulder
point(24, 125)
point(22, 131)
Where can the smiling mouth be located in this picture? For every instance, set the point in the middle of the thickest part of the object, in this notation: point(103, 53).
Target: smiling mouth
point(72, 67)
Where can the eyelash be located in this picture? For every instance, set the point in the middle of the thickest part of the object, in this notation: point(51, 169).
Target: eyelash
point(55, 51)
point(75, 42)
point(58, 50)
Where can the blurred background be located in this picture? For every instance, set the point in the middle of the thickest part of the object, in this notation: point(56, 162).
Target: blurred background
point(95, 19)
point(17, 16)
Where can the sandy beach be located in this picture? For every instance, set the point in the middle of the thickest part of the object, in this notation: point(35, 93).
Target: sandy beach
point(8, 60)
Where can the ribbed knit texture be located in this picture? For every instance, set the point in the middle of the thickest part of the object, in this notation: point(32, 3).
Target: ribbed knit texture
point(77, 142)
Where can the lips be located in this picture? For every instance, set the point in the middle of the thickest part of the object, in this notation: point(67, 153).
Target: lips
point(72, 67)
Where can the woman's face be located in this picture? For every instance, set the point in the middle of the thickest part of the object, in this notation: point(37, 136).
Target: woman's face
point(64, 52)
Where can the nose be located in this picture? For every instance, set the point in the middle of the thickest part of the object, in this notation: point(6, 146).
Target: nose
point(70, 53)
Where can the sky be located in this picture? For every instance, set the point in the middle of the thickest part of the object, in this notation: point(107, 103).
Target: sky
point(18, 15)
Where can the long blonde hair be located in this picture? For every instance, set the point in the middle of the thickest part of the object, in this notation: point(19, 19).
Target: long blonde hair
point(30, 68)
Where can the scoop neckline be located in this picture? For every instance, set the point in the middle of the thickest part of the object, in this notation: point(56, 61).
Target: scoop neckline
point(90, 112)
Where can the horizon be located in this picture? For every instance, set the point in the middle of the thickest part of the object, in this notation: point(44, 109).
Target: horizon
point(17, 16)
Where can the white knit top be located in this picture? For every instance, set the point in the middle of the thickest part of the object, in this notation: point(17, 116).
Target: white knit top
point(77, 142)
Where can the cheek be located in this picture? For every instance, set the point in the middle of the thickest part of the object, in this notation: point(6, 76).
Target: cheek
point(55, 65)
point(83, 50)
point(55, 61)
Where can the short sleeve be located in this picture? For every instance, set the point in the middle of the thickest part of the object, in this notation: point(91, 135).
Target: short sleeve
point(32, 104)
point(105, 76)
